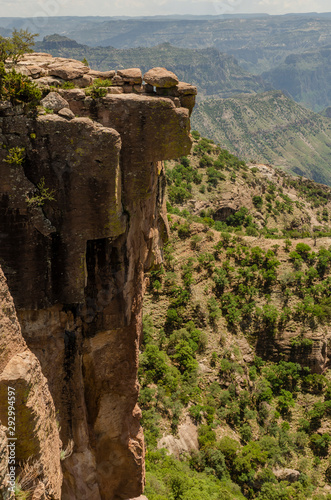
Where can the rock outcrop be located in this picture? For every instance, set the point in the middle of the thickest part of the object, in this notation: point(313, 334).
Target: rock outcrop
point(49, 71)
point(82, 218)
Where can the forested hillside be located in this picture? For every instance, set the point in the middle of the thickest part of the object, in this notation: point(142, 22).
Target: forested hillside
point(235, 359)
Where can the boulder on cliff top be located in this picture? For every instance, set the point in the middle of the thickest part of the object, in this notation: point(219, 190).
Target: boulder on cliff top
point(131, 75)
point(54, 101)
point(185, 89)
point(161, 77)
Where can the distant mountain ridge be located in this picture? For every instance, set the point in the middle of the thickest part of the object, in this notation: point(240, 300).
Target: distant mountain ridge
point(271, 128)
point(306, 76)
point(259, 43)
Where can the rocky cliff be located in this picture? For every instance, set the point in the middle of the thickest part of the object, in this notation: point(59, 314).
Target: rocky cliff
point(81, 220)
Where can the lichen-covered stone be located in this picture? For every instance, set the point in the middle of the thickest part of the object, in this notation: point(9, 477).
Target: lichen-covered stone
point(54, 101)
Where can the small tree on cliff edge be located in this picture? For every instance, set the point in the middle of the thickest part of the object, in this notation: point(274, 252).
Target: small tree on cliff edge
point(15, 46)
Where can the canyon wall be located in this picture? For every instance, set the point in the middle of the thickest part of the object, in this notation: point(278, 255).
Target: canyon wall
point(82, 218)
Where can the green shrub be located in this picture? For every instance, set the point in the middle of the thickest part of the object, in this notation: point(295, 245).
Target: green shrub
point(239, 218)
point(184, 231)
point(96, 92)
point(206, 436)
point(38, 200)
point(214, 310)
point(251, 231)
point(18, 88)
point(178, 194)
point(320, 444)
point(245, 432)
point(303, 250)
point(257, 202)
point(285, 402)
point(195, 134)
point(15, 156)
point(68, 85)
point(196, 413)
point(101, 83)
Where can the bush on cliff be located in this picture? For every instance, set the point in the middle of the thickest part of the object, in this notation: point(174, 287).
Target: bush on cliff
point(18, 88)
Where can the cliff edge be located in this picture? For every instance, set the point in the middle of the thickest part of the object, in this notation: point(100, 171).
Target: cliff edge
point(82, 219)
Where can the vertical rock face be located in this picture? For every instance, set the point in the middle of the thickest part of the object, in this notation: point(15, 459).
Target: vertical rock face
point(36, 429)
point(75, 267)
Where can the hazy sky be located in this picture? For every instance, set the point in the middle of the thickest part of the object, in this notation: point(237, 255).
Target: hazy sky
point(27, 8)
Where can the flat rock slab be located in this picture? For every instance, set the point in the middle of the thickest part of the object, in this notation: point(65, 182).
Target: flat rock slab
point(68, 71)
point(161, 77)
point(131, 75)
point(103, 75)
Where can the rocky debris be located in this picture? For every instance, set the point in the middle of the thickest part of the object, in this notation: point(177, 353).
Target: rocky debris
point(186, 442)
point(290, 475)
point(66, 113)
point(132, 76)
point(54, 101)
point(161, 77)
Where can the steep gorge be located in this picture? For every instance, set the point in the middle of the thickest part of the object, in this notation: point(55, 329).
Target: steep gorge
point(75, 268)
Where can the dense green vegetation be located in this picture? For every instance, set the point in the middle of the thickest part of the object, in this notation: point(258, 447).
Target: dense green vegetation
point(18, 88)
point(231, 323)
point(14, 86)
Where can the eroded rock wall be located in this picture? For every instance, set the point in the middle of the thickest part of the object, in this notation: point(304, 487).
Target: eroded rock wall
point(75, 267)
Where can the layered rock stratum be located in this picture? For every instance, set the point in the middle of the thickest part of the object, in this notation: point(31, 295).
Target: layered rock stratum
point(82, 219)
